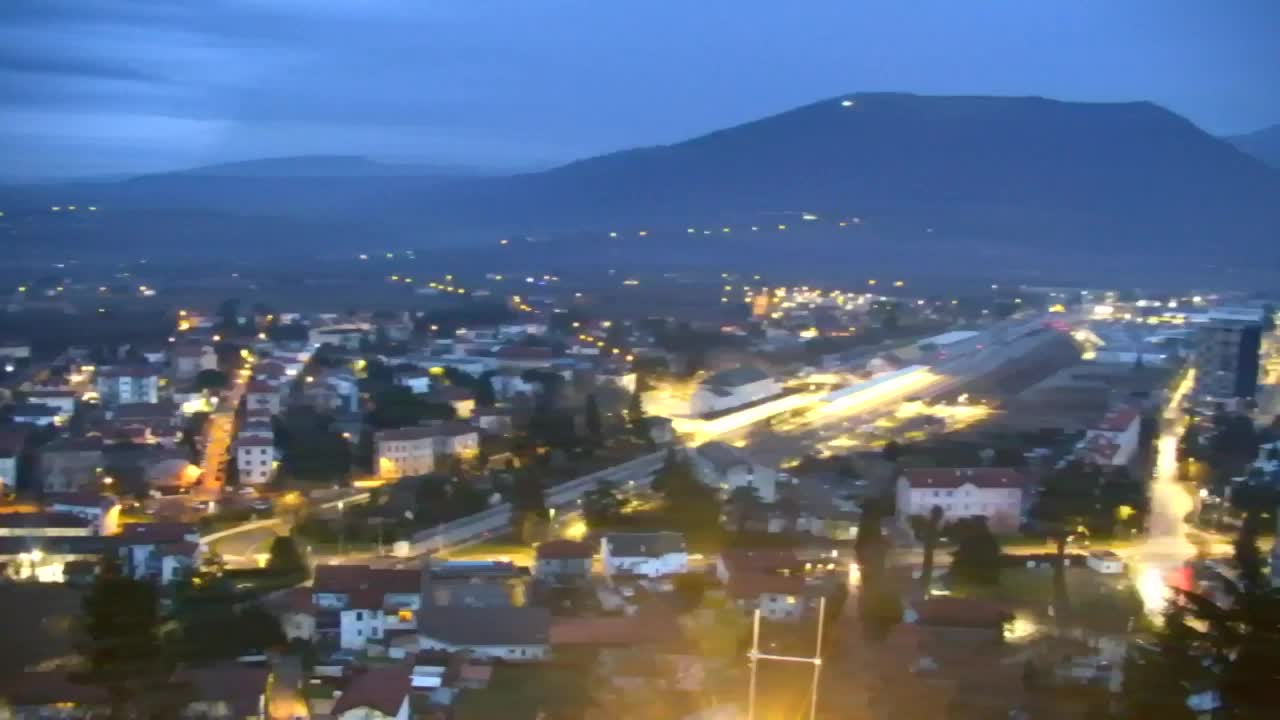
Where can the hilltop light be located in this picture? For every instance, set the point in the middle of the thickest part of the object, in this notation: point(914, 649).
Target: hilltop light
point(846, 103)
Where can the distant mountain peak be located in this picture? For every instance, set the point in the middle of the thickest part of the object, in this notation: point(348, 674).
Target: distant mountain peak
point(317, 166)
point(1263, 144)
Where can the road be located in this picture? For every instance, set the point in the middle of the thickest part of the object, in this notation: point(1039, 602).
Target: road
point(1169, 538)
point(219, 432)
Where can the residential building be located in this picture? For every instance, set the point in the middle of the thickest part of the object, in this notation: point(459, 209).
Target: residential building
point(1227, 346)
point(101, 510)
point(190, 360)
point(12, 443)
point(732, 388)
point(263, 395)
point(229, 691)
point(161, 551)
point(462, 401)
point(404, 452)
point(619, 375)
point(495, 421)
point(511, 634)
point(418, 380)
point(523, 357)
point(127, 384)
point(70, 464)
point(357, 605)
point(782, 598)
point(63, 399)
point(38, 415)
point(651, 555)
point(11, 350)
point(563, 561)
point(380, 693)
point(344, 336)
point(255, 459)
point(45, 524)
point(727, 468)
point(457, 439)
point(991, 492)
point(508, 384)
point(1114, 439)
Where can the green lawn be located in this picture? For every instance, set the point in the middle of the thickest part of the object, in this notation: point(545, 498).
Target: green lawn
point(521, 692)
point(1101, 603)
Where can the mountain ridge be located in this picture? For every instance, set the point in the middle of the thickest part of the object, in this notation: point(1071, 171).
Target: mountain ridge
point(1264, 144)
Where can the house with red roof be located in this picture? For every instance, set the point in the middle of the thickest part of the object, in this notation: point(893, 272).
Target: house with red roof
point(356, 605)
point(991, 492)
point(380, 693)
point(1113, 440)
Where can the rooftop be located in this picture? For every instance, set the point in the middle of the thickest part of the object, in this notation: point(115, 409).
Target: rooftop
point(736, 377)
point(486, 625)
point(383, 689)
point(565, 550)
point(1118, 419)
point(951, 478)
point(654, 544)
point(43, 520)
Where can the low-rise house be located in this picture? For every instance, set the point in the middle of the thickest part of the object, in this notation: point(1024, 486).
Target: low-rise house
point(462, 400)
point(990, 492)
point(70, 464)
point(12, 443)
point(36, 414)
point(512, 634)
point(732, 388)
point(456, 438)
point(509, 384)
point(1105, 562)
point(404, 452)
point(101, 511)
point(63, 399)
point(563, 561)
point(418, 380)
point(1113, 441)
point(357, 605)
point(783, 598)
point(523, 357)
point(233, 692)
point(619, 375)
point(158, 422)
point(656, 554)
point(127, 384)
point(262, 395)
point(661, 430)
point(255, 459)
point(163, 552)
point(44, 524)
point(494, 421)
point(380, 693)
point(728, 468)
point(190, 359)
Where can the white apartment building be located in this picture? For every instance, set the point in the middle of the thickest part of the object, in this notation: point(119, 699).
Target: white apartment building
point(993, 493)
point(405, 452)
point(127, 384)
point(255, 459)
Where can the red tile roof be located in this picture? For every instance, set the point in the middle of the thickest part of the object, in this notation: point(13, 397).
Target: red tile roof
point(262, 387)
point(383, 689)
point(136, 371)
point(523, 352)
point(157, 533)
point(983, 477)
point(404, 433)
point(43, 520)
point(242, 688)
point(1118, 419)
point(565, 550)
point(366, 586)
point(82, 499)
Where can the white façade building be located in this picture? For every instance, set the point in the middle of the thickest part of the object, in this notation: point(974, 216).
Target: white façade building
point(726, 468)
point(993, 493)
point(732, 388)
point(656, 554)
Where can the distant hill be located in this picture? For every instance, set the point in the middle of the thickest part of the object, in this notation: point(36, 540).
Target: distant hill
point(330, 166)
point(976, 180)
point(1263, 144)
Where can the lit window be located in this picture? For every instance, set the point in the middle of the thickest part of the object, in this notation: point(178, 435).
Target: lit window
point(405, 615)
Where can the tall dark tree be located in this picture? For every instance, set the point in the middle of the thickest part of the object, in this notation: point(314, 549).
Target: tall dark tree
point(121, 641)
point(743, 501)
point(879, 607)
point(229, 314)
point(688, 501)
point(927, 529)
point(976, 560)
point(601, 505)
point(285, 557)
point(635, 418)
point(594, 425)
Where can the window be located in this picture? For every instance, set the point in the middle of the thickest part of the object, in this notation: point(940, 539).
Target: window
point(359, 616)
point(405, 615)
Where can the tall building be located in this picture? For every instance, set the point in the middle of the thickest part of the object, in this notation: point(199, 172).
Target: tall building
point(1227, 347)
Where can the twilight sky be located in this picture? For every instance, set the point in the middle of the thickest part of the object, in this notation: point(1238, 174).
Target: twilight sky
point(109, 86)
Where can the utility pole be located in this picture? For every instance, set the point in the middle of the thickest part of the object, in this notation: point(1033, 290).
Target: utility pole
point(756, 656)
